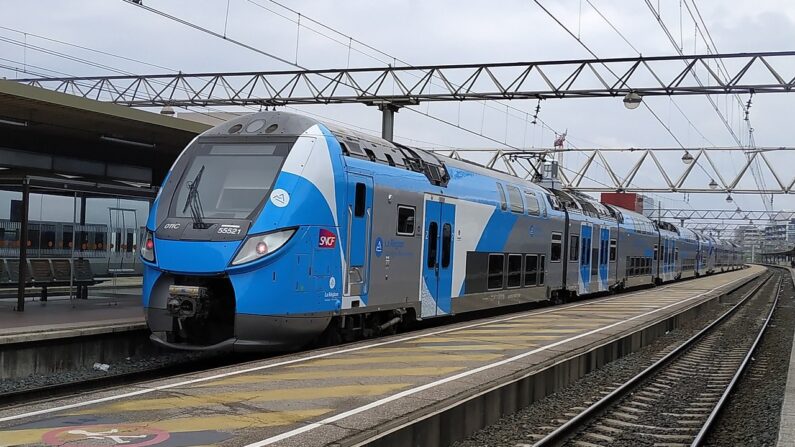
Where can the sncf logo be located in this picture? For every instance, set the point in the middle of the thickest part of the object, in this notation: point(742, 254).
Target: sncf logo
point(327, 239)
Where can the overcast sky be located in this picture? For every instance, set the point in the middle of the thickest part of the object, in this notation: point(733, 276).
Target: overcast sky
point(440, 32)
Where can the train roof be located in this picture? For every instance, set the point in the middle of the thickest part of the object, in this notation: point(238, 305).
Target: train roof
point(362, 145)
point(376, 149)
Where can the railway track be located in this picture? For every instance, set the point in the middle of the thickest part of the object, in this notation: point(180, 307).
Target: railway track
point(676, 400)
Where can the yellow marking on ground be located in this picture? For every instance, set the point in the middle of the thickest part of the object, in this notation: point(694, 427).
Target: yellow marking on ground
point(187, 424)
point(336, 374)
point(521, 344)
point(491, 347)
point(444, 348)
point(486, 337)
point(207, 400)
point(362, 360)
point(525, 330)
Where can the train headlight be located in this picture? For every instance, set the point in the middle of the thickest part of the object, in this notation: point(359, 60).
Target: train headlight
point(260, 245)
point(148, 247)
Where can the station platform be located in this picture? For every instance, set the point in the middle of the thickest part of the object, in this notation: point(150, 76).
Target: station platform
point(110, 307)
point(374, 391)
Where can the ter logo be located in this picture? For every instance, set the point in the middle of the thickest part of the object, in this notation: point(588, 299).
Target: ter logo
point(327, 239)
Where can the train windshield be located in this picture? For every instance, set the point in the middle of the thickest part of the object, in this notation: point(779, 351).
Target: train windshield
point(227, 181)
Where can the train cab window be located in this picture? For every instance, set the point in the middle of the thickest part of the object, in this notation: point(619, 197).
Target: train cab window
point(574, 248)
point(433, 235)
point(496, 268)
point(361, 200)
point(514, 271)
point(613, 247)
point(516, 200)
point(503, 202)
point(447, 240)
point(530, 270)
point(556, 249)
point(541, 270)
point(532, 203)
point(405, 220)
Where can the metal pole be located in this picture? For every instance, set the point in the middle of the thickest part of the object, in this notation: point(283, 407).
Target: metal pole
point(23, 246)
point(388, 121)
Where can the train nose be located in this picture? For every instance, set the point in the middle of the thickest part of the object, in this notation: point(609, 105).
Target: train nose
point(205, 257)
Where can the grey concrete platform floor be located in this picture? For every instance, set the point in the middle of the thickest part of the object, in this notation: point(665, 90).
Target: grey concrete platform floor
point(786, 428)
point(348, 394)
point(60, 317)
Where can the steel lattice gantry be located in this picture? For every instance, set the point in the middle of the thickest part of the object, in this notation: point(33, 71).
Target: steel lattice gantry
point(768, 72)
point(650, 172)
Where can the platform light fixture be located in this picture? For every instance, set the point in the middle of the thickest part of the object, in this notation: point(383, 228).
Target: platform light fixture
point(14, 123)
point(632, 100)
point(713, 184)
point(127, 142)
point(167, 110)
point(729, 199)
point(687, 158)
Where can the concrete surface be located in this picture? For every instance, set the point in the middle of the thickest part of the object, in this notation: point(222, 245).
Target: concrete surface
point(359, 392)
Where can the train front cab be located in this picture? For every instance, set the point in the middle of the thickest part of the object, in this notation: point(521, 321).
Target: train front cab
point(243, 247)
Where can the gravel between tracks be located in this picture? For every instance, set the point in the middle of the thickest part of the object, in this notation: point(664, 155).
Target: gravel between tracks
point(522, 428)
point(753, 410)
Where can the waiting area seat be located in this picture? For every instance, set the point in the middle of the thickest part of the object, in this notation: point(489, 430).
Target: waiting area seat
point(46, 273)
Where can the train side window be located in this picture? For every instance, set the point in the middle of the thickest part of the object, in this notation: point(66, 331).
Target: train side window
point(532, 203)
point(496, 268)
point(655, 252)
point(556, 247)
point(613, 247)
point(541, 260)
point(361, 196)
point(447, 239)
point(676, 254)
point(405, 220)
point(503, 202)
point(516, 200)
point(433, 235)
point(574, 248)
point(514, 271)
point(389, 159)
point(530, 270)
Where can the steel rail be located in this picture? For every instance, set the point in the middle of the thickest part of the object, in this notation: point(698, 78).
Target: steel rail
point(713, 416)
point(573, 426)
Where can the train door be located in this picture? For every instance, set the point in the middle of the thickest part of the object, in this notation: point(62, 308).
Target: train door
point(604, 249)
point(437, 266)
point(357, 242)
point(586, 235)
point(123, 228)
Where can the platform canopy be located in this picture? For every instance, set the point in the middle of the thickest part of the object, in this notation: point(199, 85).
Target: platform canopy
point(47, 132)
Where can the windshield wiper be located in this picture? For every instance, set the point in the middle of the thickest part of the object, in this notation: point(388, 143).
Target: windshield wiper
point(194, 202)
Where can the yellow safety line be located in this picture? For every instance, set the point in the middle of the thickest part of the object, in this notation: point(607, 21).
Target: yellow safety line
point(182, 401)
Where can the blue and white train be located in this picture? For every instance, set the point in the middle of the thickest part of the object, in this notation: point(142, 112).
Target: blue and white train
point(274, 228)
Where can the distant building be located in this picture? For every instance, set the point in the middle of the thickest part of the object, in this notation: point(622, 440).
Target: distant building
point(631, 201)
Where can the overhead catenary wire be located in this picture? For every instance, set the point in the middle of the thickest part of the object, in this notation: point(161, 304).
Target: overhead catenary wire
point(348, 40)
point(593, 54)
